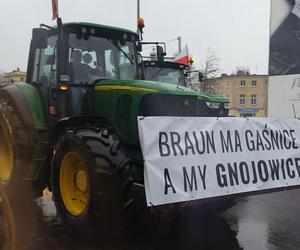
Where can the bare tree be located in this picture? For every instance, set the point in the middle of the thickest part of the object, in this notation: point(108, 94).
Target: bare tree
point(210, 69)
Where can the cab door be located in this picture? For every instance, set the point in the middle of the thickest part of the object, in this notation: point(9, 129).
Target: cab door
point(42, 73)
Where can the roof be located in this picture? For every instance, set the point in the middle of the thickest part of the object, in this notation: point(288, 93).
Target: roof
point(165, 64)
point(95, 25)
point(15, 72)
point(236, 76)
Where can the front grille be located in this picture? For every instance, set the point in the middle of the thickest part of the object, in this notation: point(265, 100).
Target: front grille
point(175, 105)
point(168, 105)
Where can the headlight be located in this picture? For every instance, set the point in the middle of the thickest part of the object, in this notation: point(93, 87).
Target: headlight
point(213, 105)
point(226, 105)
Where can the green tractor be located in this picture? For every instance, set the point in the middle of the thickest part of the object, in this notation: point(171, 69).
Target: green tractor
point(157, 67)
point(73, 125)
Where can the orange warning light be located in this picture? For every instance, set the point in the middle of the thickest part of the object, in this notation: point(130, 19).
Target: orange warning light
point(141, 21)
point(63, 87)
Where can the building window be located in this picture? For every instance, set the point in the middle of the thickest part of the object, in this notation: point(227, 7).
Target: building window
point(242, 99)
point(243, 84)
point(253, 99)
point(247, 115)
point(253, 83)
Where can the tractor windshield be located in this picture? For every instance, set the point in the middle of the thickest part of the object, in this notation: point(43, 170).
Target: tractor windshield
point(92, 58)
point(161, 74)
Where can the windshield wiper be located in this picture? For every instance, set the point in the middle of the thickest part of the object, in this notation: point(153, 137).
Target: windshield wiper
point(119, 48)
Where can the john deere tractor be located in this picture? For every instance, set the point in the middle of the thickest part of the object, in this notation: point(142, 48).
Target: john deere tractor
point(157, 67)
point(73, 125)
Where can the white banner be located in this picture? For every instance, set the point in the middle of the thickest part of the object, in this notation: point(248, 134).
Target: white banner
point(189, 158)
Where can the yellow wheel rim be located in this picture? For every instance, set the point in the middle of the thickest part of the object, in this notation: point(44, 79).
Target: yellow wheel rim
point(6, 151)
point(9, 225)
point(74, 183)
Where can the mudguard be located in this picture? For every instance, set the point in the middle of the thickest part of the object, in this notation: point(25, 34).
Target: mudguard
point(27, 103)
point(80, 121)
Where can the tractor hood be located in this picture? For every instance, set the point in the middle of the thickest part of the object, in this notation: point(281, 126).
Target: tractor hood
point(154, 87)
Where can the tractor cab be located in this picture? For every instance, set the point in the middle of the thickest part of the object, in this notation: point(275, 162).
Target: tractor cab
point(70, 58)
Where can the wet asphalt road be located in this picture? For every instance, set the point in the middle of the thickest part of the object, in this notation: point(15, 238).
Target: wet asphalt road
point(268, 221)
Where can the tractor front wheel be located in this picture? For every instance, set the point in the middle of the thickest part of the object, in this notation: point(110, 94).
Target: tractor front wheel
point(90, 181)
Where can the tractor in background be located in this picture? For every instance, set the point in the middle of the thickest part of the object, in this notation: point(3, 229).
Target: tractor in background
point(157, 67)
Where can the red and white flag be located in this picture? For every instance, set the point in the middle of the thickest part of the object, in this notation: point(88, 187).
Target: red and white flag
point(54, 9)
point(183, 56)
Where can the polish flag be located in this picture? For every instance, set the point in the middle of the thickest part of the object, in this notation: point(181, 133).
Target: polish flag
point(54, 9)
point(183, 56)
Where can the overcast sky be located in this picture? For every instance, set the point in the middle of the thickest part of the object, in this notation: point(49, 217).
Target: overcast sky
point(238, 30)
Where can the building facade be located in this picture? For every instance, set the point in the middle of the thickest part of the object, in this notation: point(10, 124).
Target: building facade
point(248, 94)
point(15, 76)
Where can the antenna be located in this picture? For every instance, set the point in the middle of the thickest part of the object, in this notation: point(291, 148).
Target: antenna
point(138, 13)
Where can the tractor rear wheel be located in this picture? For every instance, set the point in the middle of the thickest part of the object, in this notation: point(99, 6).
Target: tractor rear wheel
point(16, 192)
point(7, 225)
point(90, 181)
point(15, 146)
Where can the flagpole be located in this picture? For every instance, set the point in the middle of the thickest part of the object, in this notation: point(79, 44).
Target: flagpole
point(55, 14)
point(189, 72)
point(179, 44)
point(138, 13)
point(187, 53)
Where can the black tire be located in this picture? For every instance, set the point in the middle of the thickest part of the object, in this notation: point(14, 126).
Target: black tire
point(16, 190)
point(109, 191)
point(7, 224)
point(20, 146)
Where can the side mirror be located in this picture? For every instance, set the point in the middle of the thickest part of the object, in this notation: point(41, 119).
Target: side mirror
point(39, 38)
point(160, 53)
point(200, 76)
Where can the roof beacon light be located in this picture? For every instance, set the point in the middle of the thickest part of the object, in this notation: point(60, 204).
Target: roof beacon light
point(191, 59)
point(141, 22)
